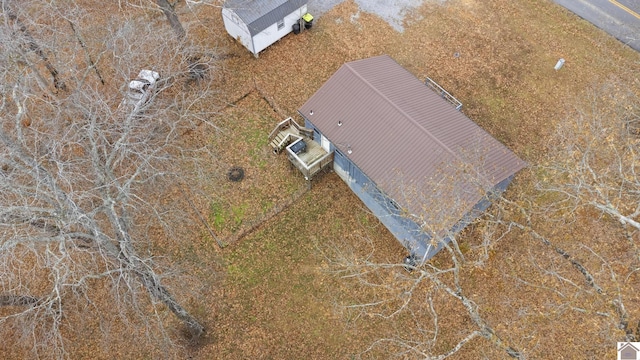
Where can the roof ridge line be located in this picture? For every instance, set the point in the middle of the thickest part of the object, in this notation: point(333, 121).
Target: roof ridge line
point(407, 116)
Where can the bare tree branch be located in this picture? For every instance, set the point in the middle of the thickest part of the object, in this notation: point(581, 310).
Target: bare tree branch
point(81, 184)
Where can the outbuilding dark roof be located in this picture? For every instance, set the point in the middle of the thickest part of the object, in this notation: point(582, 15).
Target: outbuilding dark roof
point(260, 14)
point(405, 137)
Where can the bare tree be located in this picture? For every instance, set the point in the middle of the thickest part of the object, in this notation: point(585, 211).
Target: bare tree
point(597, 157)
point(167, 7)
point(416, 303)
point(412, 297)
point(170, 12)
point(593, 170)
point(78, 176)
point(578, 276)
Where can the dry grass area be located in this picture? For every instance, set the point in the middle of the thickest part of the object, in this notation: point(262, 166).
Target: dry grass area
point(268, 295)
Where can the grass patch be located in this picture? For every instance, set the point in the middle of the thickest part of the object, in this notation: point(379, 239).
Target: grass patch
point(238, 215)
point(225, 218)
point(243, 274)
point(217, 215)
point(256, 137)
point(276, 282)
point(266, 205)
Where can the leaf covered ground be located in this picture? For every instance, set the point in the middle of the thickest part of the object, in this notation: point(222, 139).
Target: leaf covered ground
point(497, 57)
point(268, 293)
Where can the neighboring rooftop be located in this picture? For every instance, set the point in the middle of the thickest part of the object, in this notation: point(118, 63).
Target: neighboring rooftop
point(260, 14)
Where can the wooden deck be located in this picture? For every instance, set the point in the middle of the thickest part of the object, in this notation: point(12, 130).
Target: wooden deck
point(313, 153)
point(284, 138)
point(310, 162)
point(285, 133)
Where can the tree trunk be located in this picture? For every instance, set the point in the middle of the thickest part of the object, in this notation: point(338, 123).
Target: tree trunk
point(126, 253)
point(17, 300)
point(171, 15)
point(158, 291)
point(33, 46)
point(92, 64)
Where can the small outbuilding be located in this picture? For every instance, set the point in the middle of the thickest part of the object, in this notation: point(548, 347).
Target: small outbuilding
point(259, 23)
point(422, 167)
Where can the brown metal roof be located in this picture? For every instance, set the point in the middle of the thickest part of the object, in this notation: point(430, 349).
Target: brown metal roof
point(401, 132)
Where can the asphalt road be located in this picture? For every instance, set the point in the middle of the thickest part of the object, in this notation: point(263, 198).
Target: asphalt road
point(620, 18)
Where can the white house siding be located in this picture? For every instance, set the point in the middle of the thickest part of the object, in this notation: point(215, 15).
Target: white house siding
point(237, 29)
point(271, 34)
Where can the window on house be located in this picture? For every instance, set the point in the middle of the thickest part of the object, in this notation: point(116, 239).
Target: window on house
point(280, 24)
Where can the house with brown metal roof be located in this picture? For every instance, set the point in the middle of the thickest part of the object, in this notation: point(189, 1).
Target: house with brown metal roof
point(416, 161)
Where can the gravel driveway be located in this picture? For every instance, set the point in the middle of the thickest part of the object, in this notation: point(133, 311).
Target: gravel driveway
point(392, 11)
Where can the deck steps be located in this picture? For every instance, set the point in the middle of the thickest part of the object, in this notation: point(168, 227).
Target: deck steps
point(286, 132)
point(282, 139)
point(275, 143)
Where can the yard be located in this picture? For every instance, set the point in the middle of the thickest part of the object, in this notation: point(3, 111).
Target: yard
point(260, 273)
point(497, 57)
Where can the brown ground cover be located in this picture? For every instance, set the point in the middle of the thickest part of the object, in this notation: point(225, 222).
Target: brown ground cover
point(279, 302)
point(268, 294)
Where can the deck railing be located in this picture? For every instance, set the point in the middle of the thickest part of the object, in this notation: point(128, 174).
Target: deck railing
point(287, 123)
point(286, 132)
point(309, 170)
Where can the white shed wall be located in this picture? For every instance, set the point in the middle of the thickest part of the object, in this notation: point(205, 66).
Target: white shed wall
point(271, 34)
point(237, 29)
